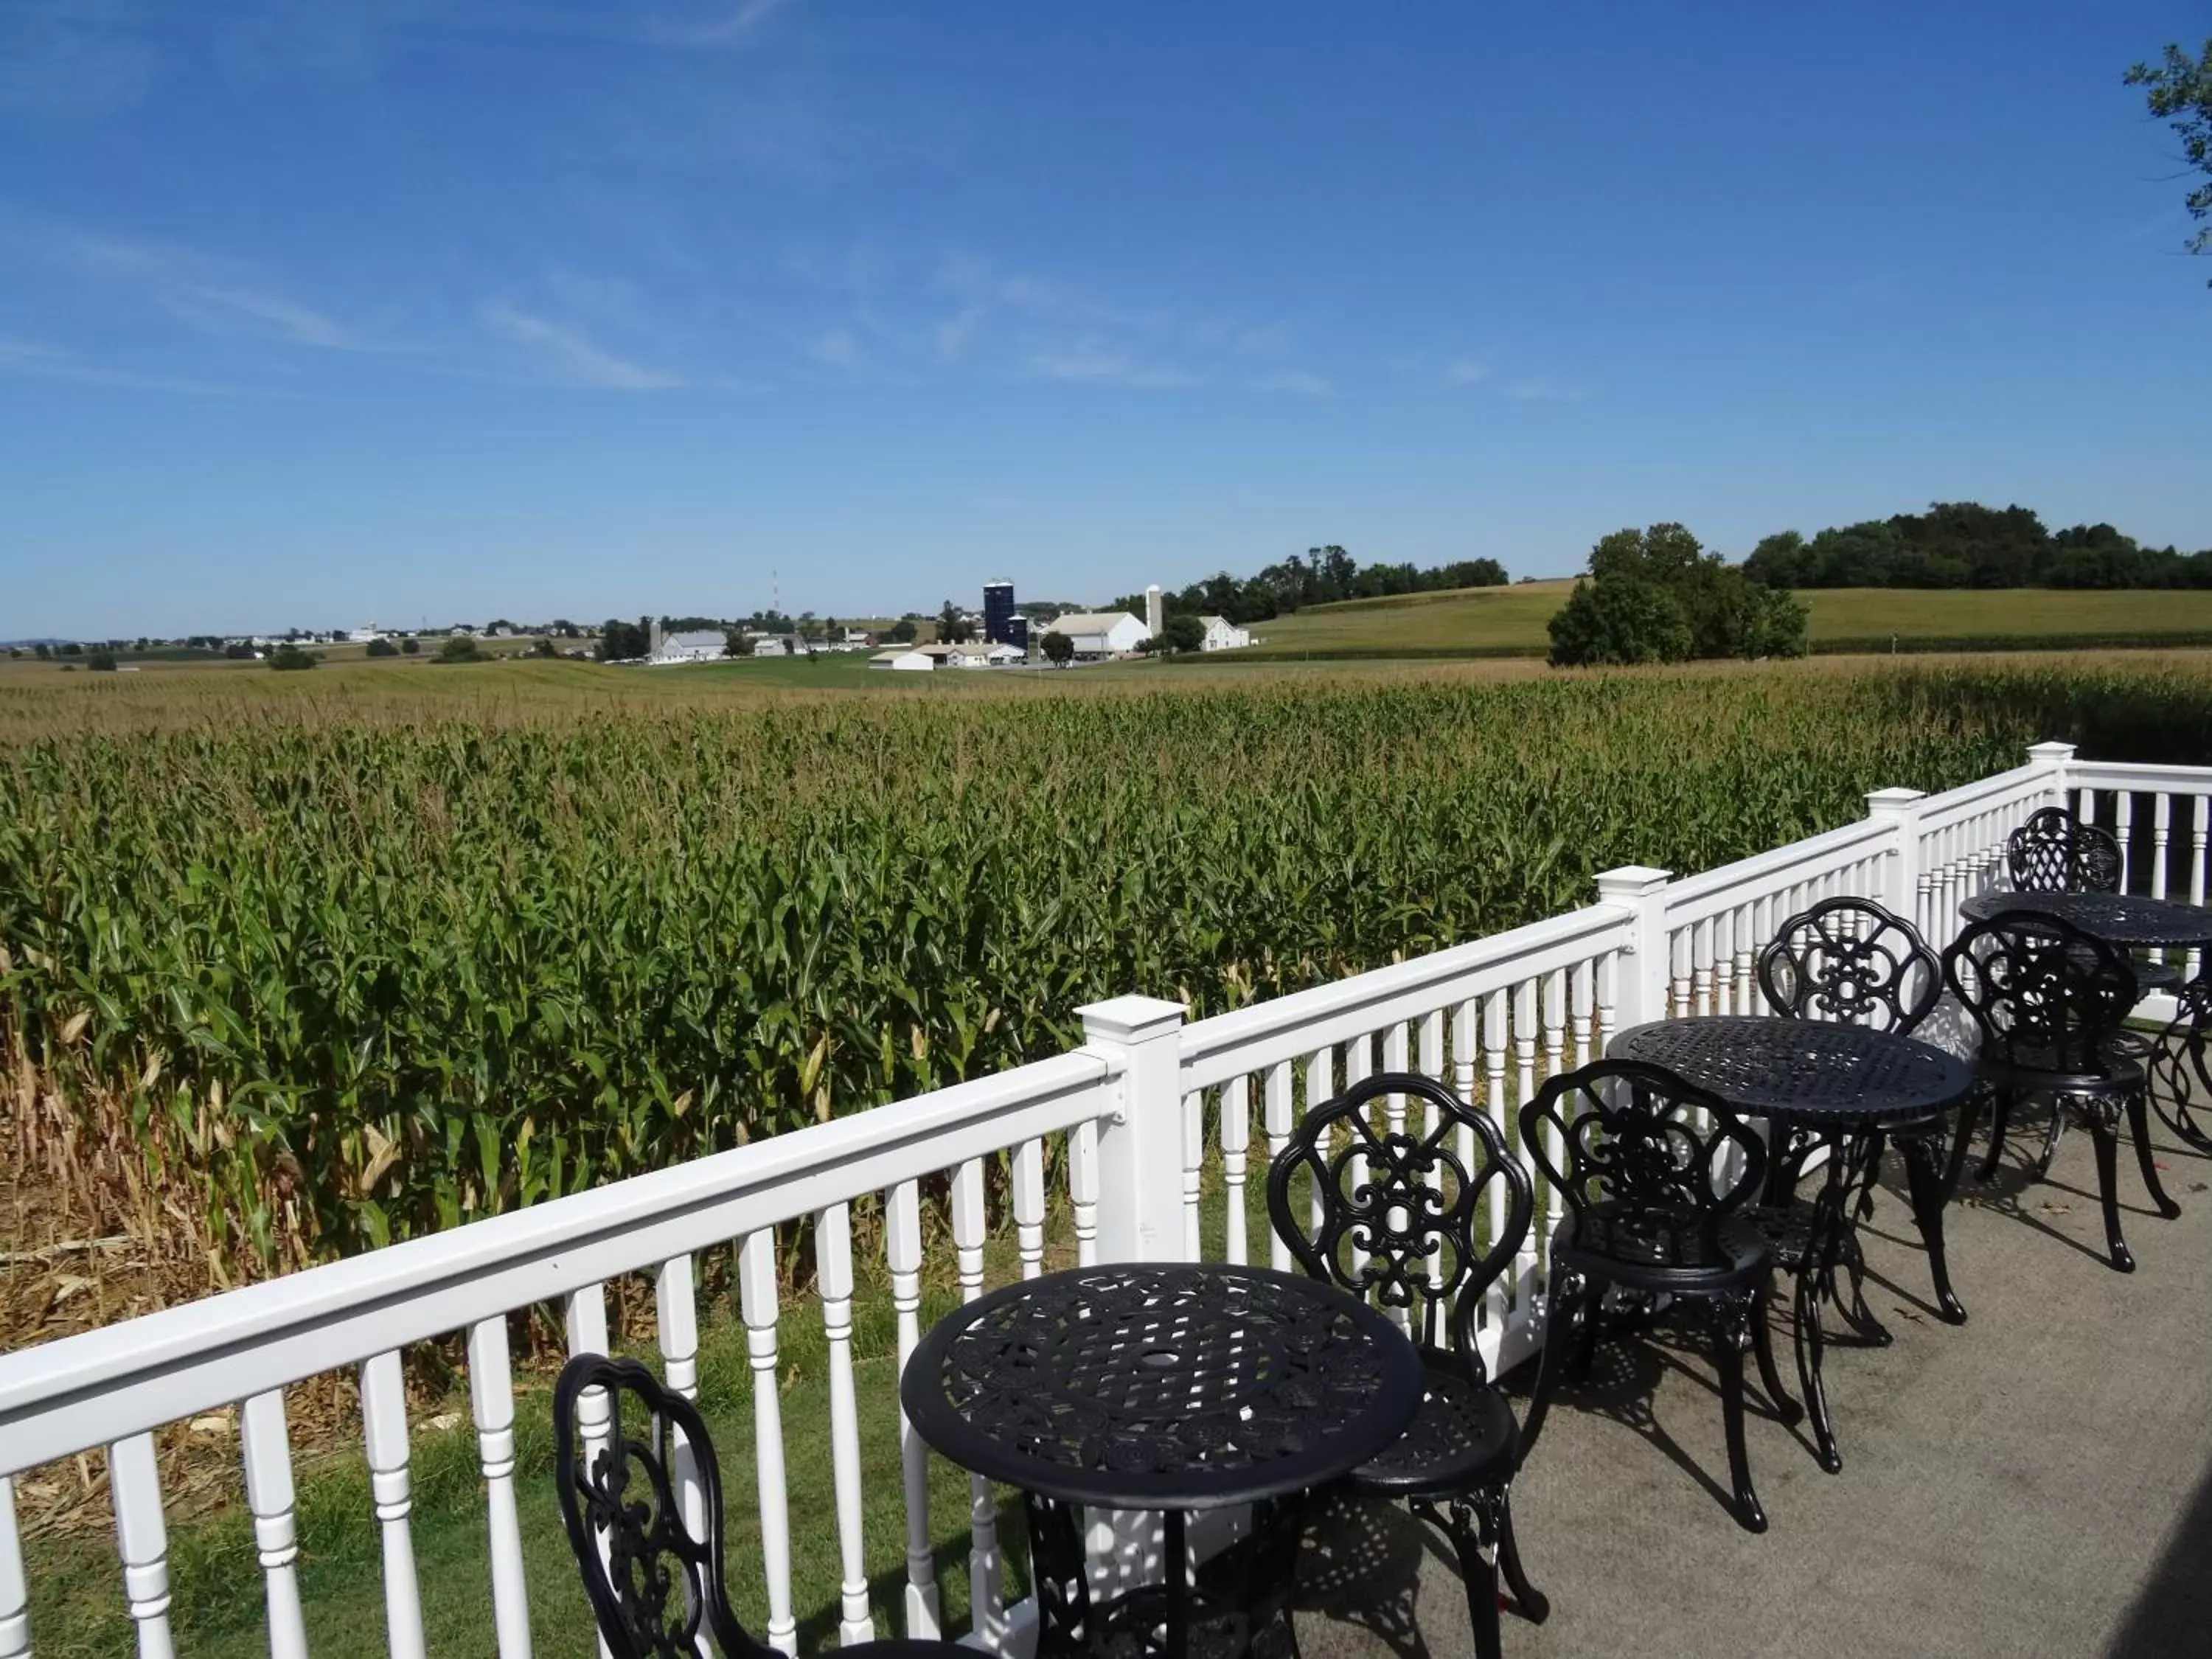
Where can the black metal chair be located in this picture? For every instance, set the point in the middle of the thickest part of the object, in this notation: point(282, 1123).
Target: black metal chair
point(2055, 852)
point(2050, 1001)
point(652, 1583)
point(1854, 961)
point(1657, 1205)
point(2181, 1065)
point(1412, 1214)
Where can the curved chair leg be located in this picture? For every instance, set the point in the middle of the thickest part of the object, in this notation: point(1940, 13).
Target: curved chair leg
point(2139, 1127)
point(2108, 1159)
point(1762, 1344)
point(1998, 1135)
point(1962, 1137)
point(1478, 1571)
point(1811, 1343)
point(2050, 1139)
point(1565, 1292)
point(1728, 1319)
point(1535, 1606)
point(1928, 1200)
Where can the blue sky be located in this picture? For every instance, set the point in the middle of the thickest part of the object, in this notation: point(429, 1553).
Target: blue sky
point(315, 311)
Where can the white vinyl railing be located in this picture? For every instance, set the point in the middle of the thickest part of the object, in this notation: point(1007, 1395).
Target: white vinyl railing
point(1137, 1116)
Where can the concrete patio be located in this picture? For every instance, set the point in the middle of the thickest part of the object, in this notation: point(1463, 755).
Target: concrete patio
point(2036, 1482)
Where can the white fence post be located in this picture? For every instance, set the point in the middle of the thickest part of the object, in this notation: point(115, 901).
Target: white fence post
point(2055, 758)
point(1640, 991)
point(1141, 1147)
point(1900, 809)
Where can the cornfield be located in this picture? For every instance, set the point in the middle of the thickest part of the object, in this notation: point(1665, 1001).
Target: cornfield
point(308, 978)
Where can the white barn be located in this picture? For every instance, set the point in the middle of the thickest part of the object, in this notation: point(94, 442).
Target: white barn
point(1222, 635)
point(904, 658)
point(1102, 632)
point(770, 645)
point(698, 644)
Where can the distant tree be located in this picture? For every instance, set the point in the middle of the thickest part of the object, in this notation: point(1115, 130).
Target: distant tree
point(13, 651)
point(952, 628)
point(72, 649)
point(44, 652)
point(737, 642)
point(565, 629)
point(290, 659)
point(100, 661)
point(1058, 649)
point(1620, 620)
point(1183, 632)
point(543, 647)
point(902, 631)
point(2180, 93)
point(238, 652)
point(409, 646)
point(622, 642)
point(384, 648)
point(459, 649)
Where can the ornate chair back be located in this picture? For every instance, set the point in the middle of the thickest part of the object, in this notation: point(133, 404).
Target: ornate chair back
point(652, 1581)
point(2045, 995)
point(1405, 1205)
point(1850, 960)
point(2054, 852)
point(1637, 1138)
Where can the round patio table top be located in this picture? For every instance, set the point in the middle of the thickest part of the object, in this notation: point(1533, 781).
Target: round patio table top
point(1163, 1386)
point(2128, 920)
point(1808, 1071)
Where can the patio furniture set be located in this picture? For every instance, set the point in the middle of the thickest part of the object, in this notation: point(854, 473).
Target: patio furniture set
point(1700, 1161)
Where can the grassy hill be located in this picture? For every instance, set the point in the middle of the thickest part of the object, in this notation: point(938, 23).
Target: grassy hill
point(1482, 621)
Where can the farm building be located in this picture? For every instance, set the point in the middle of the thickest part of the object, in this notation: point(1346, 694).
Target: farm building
point(698, 644)
point(906, 659)
point(771, 645)
point(1102, 633)
point(1222, 635)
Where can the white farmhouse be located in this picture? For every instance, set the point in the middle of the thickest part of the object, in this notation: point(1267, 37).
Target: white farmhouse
point(904, 658)
point(1097, 634)
point(1222, 635)
point(698, 644)
point(770, 645)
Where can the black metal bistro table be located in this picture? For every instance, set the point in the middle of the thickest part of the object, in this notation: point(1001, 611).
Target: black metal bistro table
point(1825, 1085)
point(2127, 920)
point(1173, 1386)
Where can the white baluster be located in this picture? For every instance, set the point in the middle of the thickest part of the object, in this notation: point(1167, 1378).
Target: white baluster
point(586, 1319)
point(833, 1283)
point(14, 1587)
point(1750, 936)
point(1193, 1168)
point(902, 1253)
point(2200, 821)
point(1083, 1190)
point(986, 1575)
point(2123, 832)
point(1524, 1073)
point(266, 1451)
point(1029, 1206)
point(1701, 968)
point(1433, 1067)
point(757, 1306)
point(1555, 1051)
point(142, 1538)
point(384, 1436)
point(1677, 974)
point(1358, 1066)
point(676, 1326)
point(1236, 1141)
point(491, 1399)
point(1320, 1088)
point(1495, 1036)
point(1277, 1106)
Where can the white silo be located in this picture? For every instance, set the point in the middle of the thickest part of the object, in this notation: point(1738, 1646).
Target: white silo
point(1153, 620)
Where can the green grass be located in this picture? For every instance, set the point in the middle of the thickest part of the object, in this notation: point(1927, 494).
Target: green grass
point(1508, 621)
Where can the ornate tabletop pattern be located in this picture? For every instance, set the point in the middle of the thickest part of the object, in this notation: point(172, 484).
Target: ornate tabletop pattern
point(1808, 1071)
point(1175, 1387)
point(2128, 920)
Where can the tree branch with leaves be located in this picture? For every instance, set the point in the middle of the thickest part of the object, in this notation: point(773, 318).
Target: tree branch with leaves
point(2180, 93)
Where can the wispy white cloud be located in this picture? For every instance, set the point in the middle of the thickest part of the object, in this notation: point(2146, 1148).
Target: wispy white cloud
point(956, 332)
point(54, 364)
point(728, 27)
point(567, 354)
point(1096, 367)
point(1295, 379)
point(213, 294)
point(1542, 389)
point(1465, 371)
point(840, 348)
